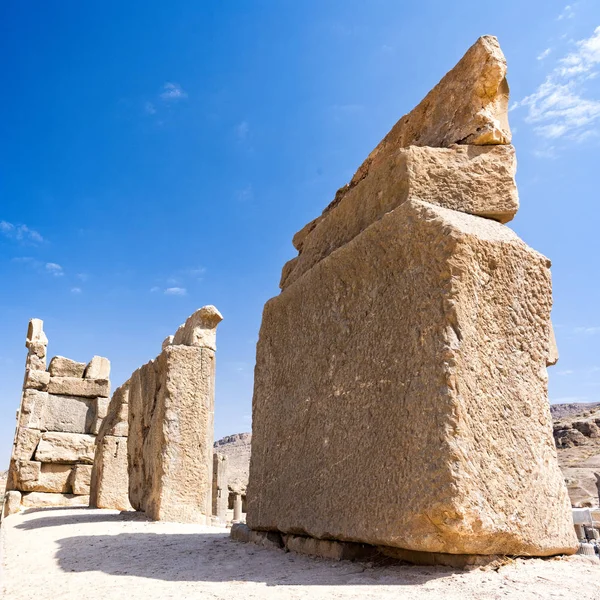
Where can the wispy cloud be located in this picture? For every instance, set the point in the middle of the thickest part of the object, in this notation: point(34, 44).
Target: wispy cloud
point(587, 330)
point(149, 108)
point(175, 291)
point(21, 233)
point(543, 54)
point(559, 107)
point(565, 372)
point(54, 269)
point(568, 12)
point(173, 91)
point(242, 130)
point(246, 194)
point(76, 290)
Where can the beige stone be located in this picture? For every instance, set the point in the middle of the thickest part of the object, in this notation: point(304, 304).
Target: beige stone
point(26, 441)
point(100, 411)
point(328, 549)
point(220, 490)
point(167, 341)
point(72, 386)
point(116, 421)
point(35, 333)
point(66, 448)
point(12, 502)
point(34, 362)
point(33, 406)
point(473, 179)
point(45, 477)
point(69, 414)
point(48, 500)
point(200, 329)
point(553, 353)
point(171, 406)
point(401, 394)
point(109, 486)
point(80, 480)
point(36, 380)
point(98, 368)
point(65, 367)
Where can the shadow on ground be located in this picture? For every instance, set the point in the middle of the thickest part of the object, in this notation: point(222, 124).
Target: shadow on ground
point(213, 557)
point(80, 518)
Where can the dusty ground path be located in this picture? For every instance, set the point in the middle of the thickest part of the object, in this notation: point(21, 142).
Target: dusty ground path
point(92, 554)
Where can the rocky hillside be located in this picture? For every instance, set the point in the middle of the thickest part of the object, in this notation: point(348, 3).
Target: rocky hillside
point(577, 437)
point(237, 449)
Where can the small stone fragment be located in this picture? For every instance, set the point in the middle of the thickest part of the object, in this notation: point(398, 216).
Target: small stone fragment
point(98, 368)
point(66, 448)
point(65, 367)
point(12, 502)
point(72, 386)
point(80, 479)
point(36, 380)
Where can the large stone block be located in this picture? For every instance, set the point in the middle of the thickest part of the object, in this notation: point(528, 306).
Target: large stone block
point(73, 386)
point(44, 477)
point(66, 448)
point(100, 406)
point(477, 180)
point(401, 394)
point(26, 441)
point(98, 368)
point(33, 407)
point(116, 421)
point(69, 414)
point(109, 486)
point(12, 502)
point(171, 406)
point(80, 479)
point(65, 367)
point(48, 500)
point(36, 380)
point(220, 491)
point(200, 329)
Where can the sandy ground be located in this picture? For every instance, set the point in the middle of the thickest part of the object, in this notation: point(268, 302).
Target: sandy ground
point(84, 554)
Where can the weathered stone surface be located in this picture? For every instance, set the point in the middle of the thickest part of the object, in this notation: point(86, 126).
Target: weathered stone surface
point(97, 368)
point(65, 367)
point(100, 412)
point(116, 421)
point(236, 448)
point(80, 479)
point(220, 491)
point(167, 341)
point(200, 329)
point(44, 477)
point(171, 407)
point(109, 487)
point(473, 179)
point(66, 448)
point(47, 500)
point(329, 549)
point(240, 532)
point(35, 333)
point(26, 441)
point(33, 407)
point(401, 394)
point(36, 380)
point(553, 354)
point(72, 386)
point(12, 502)
point(68, 414)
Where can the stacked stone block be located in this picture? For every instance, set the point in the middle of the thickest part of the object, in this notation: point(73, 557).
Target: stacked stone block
point(61, 412)
point(220, 487)
point(400, 394)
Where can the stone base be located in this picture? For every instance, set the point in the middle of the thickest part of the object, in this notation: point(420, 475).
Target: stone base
point(336, 550)
point(46, 499)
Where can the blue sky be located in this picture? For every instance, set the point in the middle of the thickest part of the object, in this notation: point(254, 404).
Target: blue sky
point(159, 156)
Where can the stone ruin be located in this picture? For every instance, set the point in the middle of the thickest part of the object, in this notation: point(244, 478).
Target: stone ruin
point(155, 449)
point(400, 394)
point(61, 412)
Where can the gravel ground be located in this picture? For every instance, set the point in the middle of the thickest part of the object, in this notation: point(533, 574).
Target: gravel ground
point(91, 554)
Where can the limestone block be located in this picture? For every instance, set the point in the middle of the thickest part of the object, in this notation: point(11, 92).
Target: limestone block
point(66, 448)
point(328, 549)
point(171, 411)
point(401, 394)
point(34, 362)
point(220, 490)
point(100, 412)
point(553, 352)
point(69, 414)
point(72, 386)
point(116, 420)
point(167, 341)
point(26, 441)
point(80, 479)
point(240, 532)
point(36, 380)
point(65, 367)
point(35, 333)
point(33, 406)
point(98, 368)
point(45, 477)
point(12, 502)
point(477, 180)
point(47, 500)
point(200, 329)
point(109, 486)
point(28, 471)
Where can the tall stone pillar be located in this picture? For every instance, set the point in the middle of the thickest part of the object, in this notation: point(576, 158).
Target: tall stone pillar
point(220, 490)
point(237, 507)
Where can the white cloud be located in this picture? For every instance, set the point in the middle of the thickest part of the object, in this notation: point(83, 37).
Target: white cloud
point(567, 12)
point(149, 108)
point(82, 276)
point(175, 291)
point(559, 108)
point(242, 130)
point(172, 91)
point(76, 290)
point(545, 53)
point(155, 289)
point(21, 233)
point(54, 269)
point(565, 372)
point(587, 330)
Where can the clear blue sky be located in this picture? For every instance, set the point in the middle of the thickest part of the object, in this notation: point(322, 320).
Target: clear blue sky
point(159, 156)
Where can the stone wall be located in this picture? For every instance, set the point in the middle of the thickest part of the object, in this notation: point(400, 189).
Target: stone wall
point(400, 394)
point(61, 412)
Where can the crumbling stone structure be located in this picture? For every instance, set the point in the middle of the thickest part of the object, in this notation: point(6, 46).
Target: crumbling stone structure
point(220, 491)
point(400, 394)
point(164, 416)
point(61, 412)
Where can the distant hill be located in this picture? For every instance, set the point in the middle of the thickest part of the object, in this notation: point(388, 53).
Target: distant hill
point(237, 449)
point(560, 411)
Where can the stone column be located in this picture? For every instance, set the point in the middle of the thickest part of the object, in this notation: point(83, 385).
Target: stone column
point(237, 507)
